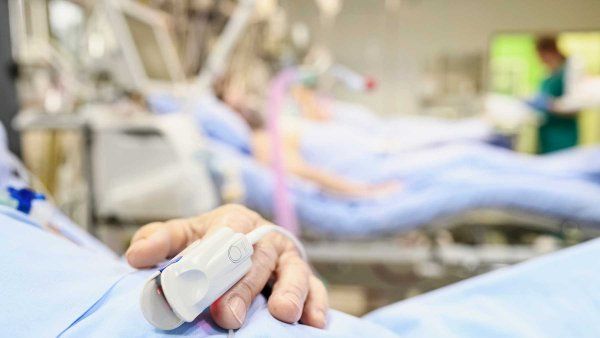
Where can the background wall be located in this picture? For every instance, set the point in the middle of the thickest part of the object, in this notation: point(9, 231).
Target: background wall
point(399, 47)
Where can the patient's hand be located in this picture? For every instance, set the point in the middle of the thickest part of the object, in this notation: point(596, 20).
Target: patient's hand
point(297, 293)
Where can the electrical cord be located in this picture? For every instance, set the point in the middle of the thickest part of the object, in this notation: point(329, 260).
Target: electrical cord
point(255, 235)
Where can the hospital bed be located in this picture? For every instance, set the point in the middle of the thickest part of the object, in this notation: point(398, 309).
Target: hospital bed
point(417, 131)
point(100, 299)
point(337, 233)
point(517, 302)
point(457, 188)
point(125, 195)
point(438, 183)
point(352, 228)
point(554, 296)
point(502, 121)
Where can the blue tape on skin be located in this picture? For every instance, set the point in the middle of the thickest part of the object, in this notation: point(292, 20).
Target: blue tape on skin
point(167, 264)
point(25, 198)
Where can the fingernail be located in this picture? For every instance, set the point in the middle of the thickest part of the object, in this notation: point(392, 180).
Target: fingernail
point(238, 309)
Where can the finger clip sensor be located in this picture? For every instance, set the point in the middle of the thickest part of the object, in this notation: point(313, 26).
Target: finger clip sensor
point(195, 278)
point(199, 275)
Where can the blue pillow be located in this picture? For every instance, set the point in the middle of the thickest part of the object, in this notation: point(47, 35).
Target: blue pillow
point(221, 123)
point(164, 103)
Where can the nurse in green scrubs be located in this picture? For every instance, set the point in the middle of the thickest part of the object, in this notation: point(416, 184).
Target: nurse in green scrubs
point(558, 130)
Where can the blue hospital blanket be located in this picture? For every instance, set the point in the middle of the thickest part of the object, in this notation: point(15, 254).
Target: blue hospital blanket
point(557, 295)
point(436, 182)
point(47, 281)
point(51, 287)
point(442, 182)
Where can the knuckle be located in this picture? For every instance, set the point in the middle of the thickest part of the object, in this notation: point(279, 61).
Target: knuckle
point(265, 258)
point(295, 263)
point(151, 227)
point(235, 208)
point(239, 215)
point(154, 225)
point(250, 213)
point(147, 230)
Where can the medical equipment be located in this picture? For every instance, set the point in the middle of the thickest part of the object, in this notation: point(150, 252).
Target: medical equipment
point(118, 187)
point(200, 274)
point(146, 44)
point(353, 80)
point(141, 54)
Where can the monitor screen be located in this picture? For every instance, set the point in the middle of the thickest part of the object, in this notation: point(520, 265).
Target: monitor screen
point(149, 49)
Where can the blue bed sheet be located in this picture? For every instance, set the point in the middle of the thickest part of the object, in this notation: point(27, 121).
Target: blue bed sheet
point(441, 182)
point(438, 181)
point(53, 287)
point(557, 295)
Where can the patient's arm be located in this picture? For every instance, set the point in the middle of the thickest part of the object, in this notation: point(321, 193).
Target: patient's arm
point(339, 185)
point(328, 181)
point(297, 293)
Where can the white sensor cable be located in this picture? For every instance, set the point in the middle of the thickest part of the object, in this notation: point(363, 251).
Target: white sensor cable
point(257, 234)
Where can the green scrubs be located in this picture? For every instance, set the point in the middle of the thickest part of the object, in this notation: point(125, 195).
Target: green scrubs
point(557, 132)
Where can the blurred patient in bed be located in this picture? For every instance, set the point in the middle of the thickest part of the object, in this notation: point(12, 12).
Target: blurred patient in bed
point(294, 162)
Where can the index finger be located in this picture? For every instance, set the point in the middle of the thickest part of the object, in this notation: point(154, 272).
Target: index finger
point(155, 242)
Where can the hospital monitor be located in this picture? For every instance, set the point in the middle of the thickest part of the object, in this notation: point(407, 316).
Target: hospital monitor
point(147, 43)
